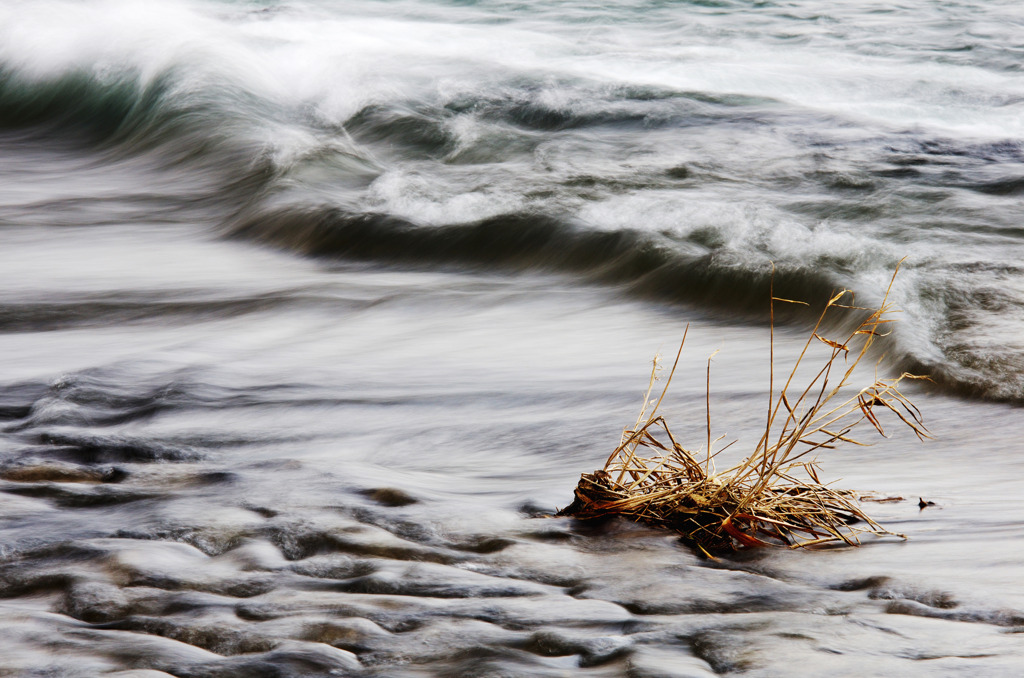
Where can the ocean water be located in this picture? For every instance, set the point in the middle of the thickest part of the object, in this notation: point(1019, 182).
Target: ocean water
point(312, 313)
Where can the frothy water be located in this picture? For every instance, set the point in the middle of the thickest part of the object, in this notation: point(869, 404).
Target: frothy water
point(310, 312)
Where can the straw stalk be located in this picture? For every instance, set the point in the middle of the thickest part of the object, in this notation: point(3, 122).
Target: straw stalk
point(773, 496)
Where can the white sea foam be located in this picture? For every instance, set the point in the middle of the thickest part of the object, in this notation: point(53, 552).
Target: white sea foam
point(845, 62)
point(218, 458)
point(838, 138)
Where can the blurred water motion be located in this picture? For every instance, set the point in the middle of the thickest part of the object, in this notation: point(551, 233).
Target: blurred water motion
point(311, 314)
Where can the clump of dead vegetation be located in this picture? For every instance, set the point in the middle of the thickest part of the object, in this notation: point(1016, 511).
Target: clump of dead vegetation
point(774, 496)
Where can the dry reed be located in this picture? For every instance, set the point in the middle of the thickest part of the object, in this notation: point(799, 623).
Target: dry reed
point(774, 496)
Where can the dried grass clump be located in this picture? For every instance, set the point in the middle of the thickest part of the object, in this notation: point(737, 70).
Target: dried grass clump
point(774, 496)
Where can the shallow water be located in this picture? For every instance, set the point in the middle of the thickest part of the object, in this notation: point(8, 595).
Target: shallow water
point(311, 316)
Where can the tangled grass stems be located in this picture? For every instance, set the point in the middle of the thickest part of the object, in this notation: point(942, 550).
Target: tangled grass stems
point(774, 496)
